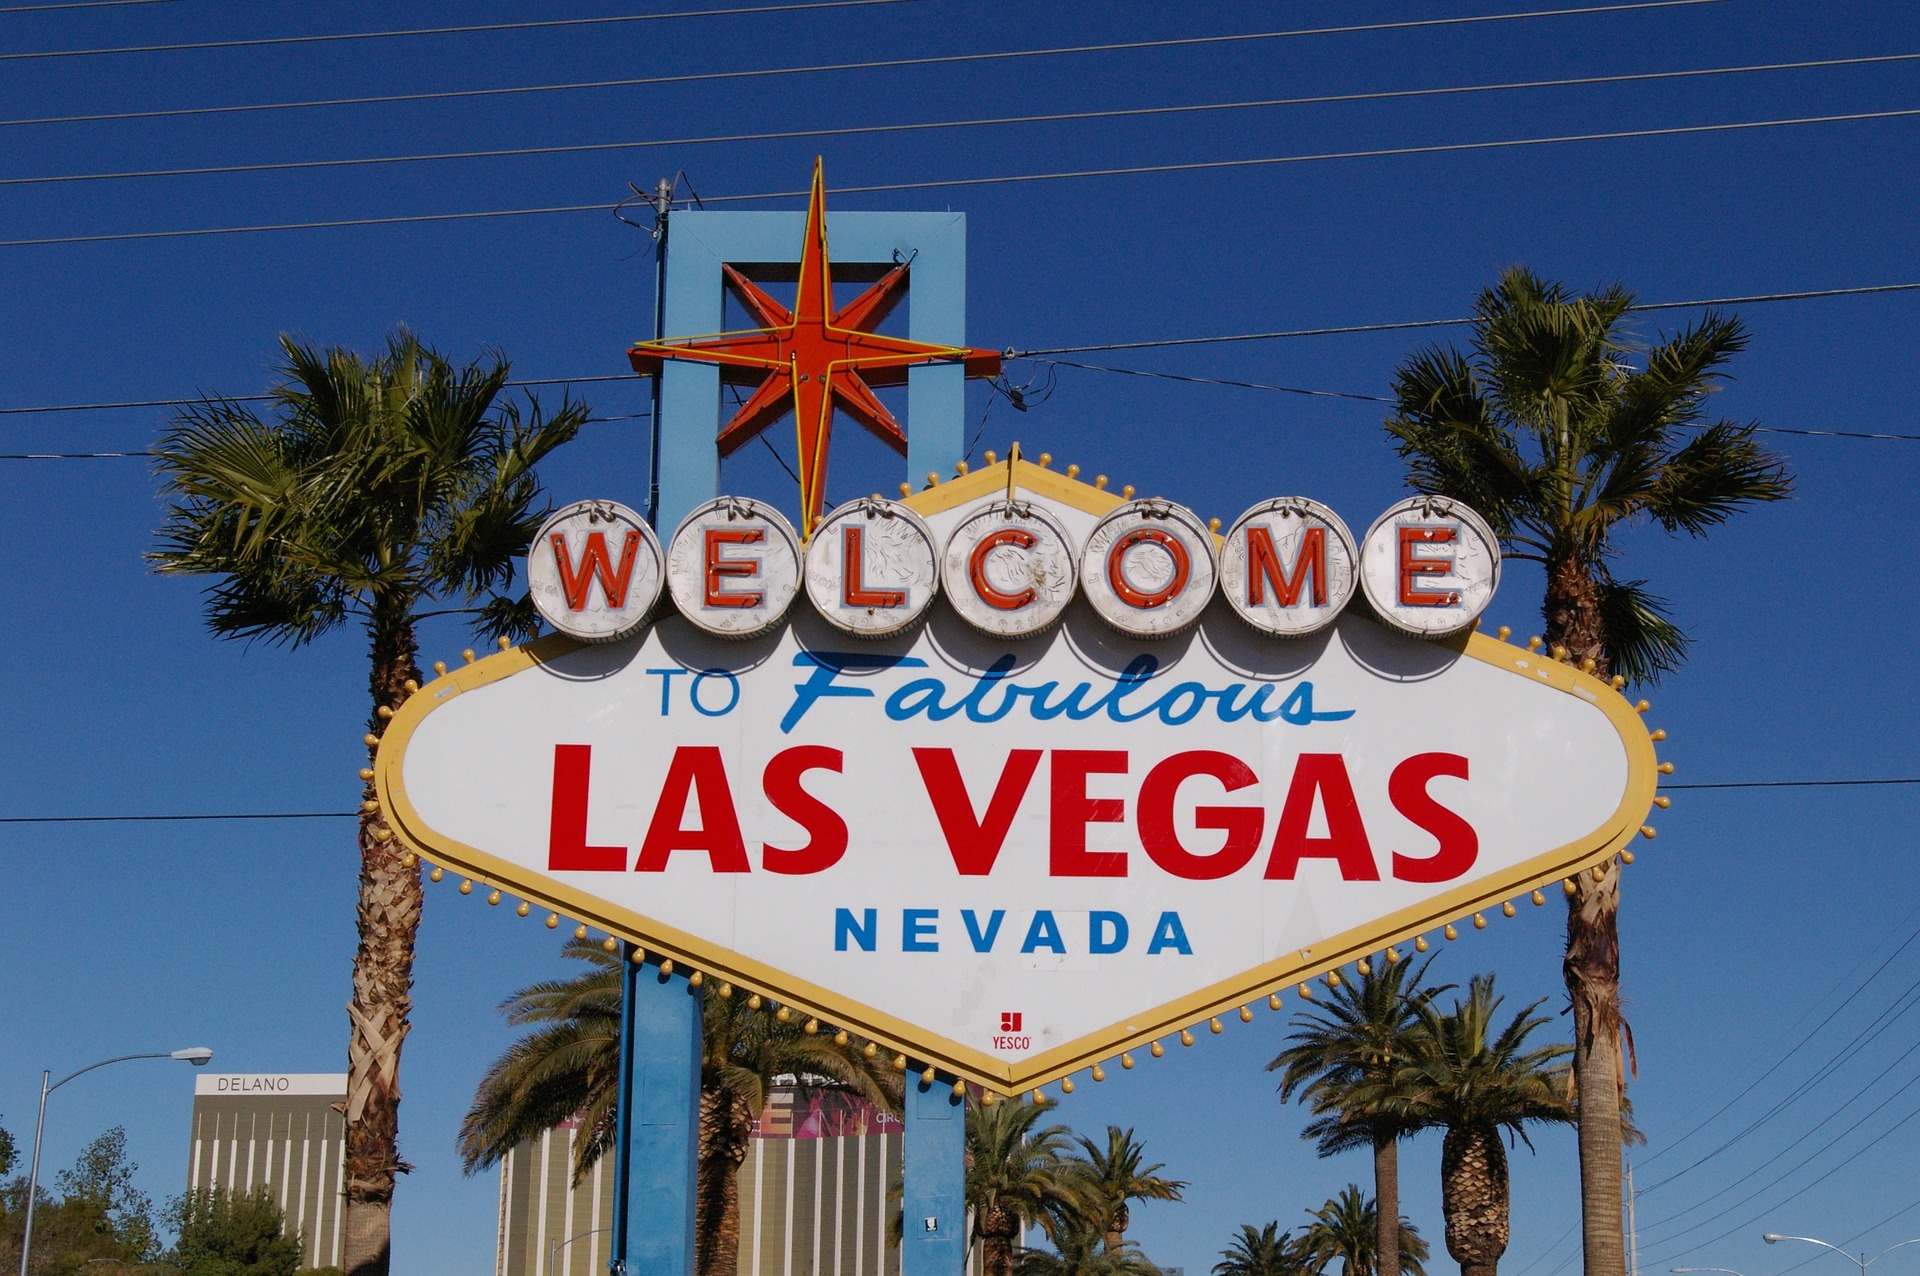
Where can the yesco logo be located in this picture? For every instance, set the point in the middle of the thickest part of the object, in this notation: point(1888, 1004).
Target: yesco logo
point(1009, 568)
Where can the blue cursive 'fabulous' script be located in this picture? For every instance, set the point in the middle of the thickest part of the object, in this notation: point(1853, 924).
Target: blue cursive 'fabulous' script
point(992, 697)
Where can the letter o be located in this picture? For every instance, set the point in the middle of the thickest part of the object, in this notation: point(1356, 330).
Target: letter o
point(1149, 568)
point(693, 693)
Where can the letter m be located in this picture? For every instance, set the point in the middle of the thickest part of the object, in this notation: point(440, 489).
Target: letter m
point(595, 564)
point(1264, 567)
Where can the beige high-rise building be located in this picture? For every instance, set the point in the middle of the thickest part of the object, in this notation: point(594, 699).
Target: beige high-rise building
point(279, 1131)
point(813, 1195)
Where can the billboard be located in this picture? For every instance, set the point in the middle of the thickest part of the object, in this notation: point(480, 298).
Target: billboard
point(1016, 776)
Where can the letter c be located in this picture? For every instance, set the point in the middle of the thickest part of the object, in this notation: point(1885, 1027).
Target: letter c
point(977, 568)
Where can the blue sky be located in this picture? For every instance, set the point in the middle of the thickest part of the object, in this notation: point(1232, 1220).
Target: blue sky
point(1762, 928)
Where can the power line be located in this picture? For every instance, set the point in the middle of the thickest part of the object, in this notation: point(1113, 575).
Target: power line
point(999, 121)
point(836, 67)
point(1376, 398)
point(161, 819)
point(1245, 385)
point(337, 37)
point(263, 398)
point(78, 4)
point(1402, 325)
point(325, 815)
point(1136, 170)
point(1792, 784)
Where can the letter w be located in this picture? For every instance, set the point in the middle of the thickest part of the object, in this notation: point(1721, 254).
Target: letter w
point(975, 842)
point(595, 564)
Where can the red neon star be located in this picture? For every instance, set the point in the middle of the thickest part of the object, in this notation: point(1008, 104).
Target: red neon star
point(813, 359)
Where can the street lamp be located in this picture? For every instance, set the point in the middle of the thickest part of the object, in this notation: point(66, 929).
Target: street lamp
point(1728, 1270)
point(556, 1248)
point(1862, 1262)
point(195, 1055)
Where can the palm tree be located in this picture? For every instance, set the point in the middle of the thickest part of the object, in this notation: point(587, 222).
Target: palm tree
point(568, 1067)
point(1345, 1060)
point(1267, 1251)
point(1474, 1083)
point(376, 488)
point(1119, 1177)
point(742, 1051)
point(1019, 1177)
point(1347, 1228)
point(1548, 428)
point(1083, 1248)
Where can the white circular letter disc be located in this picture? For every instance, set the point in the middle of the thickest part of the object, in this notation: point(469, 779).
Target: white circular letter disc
point(1148, 568)
point(1288, 566)
point(594, 571)
point(872, 568)
point(733, 567)
point(1008, 569)
point(1429, 566)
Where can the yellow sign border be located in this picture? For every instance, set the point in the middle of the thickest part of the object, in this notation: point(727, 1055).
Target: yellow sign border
point(924, 1047)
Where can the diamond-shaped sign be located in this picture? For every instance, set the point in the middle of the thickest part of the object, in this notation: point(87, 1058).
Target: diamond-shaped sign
point(1015, 854)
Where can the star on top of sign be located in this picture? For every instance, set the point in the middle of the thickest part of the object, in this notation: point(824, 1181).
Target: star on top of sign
point(813, 359)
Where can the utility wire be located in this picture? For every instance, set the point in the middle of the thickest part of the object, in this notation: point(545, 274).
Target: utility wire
point(339, 36)
point(1790, 784)
point(1166, 342)
point(326, 815)
point(1136, 170)
point(1245, 385)
point(78, 4)
point(160, 819)
point(1376, 398)
point(998, 121)
point(1823, 1177)
point(1036, 357)
point(836, 67)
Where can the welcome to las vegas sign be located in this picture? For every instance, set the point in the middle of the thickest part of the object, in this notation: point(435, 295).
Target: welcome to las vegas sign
point(1013, 776)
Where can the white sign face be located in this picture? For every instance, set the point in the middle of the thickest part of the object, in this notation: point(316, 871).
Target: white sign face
point(872, 568)
point(1429, 566)
point(733, 567)
point(1148, 568)
point(1016, 860)
point(595, 570)
point(1009, 568)
point(1288, 566)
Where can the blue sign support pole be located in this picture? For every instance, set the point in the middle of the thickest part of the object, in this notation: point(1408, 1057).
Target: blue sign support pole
point(658, 1135)
point(933, 1179)
point(658, 1131)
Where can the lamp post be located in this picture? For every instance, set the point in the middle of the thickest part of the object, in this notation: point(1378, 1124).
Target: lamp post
point(1862, 1262)
point(1728, 1270)
point(195, 1055)
point(554, 1248)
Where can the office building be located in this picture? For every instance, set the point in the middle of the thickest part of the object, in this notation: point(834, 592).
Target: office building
point(813, 1194)
point(283, 1132)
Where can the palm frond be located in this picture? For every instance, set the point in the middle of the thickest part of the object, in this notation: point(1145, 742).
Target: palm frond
point(1643, 642)
point(1707, 481)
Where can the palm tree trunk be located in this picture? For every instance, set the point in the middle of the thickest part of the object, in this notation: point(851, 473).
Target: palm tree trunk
point(726, 1125)
point(1474, 1198)
point(1386, 1198)
point(389, 919)
point(998, 1228)
point(1592, 964)
point(1592, 970)
point(1117, 1224)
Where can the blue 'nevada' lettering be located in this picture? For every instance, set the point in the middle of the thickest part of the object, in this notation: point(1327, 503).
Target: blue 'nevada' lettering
point(1107, 932)
point(1126, 700)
